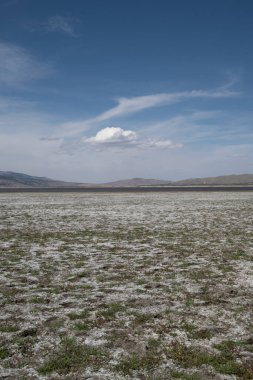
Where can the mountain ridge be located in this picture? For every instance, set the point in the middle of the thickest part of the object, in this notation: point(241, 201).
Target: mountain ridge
point(232, 179)
point(13, 179)
point(137, 182)
point(10, 179)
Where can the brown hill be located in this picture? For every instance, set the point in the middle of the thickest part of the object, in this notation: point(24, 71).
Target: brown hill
point(20, 180)
point(239, 179)
point(137, 182)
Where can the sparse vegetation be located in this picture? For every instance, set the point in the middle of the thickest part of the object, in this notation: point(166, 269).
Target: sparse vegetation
point(110, 311)
point(71, 357)
point(137, 362)
point(4, 352)
point(133, 286)
point(81, 315)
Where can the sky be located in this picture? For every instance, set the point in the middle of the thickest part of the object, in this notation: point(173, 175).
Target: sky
point(100, 90)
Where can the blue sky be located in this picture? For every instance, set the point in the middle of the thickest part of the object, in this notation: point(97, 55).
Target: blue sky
point(97, 90)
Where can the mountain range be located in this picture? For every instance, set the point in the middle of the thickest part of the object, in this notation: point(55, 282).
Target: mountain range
point(20, 180)
point(12, 179)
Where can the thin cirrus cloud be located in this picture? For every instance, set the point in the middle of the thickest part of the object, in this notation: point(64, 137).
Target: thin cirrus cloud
point(127, 106)
point(139, 103)
point(120, 138)
point(60, 24)
point(18, 66)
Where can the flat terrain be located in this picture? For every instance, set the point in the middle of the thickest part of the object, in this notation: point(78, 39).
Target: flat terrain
point(125, 189)
point(126, 286)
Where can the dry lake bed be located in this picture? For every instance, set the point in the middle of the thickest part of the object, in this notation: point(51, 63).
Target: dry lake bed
point(126, 286)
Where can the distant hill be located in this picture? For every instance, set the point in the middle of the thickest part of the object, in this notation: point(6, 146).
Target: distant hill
point(240, 179)
point(11, 179)
point(137, 182)
point(20, 180)
point(235, 179)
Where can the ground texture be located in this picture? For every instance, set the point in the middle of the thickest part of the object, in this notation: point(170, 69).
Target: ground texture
point(126, 286)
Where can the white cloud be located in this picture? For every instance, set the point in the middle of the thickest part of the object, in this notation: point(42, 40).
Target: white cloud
point(128, 106)
point(120, 138)
point(60, 24)
point(112, 135)
point(17, 65)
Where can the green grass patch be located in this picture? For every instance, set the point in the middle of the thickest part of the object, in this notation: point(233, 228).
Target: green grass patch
point(81, 315)
point(188, 357)
point(37, 299)
point(71, 357)
point(141, 318)
point(137, 362)
point(195, 333)
point(147, 361)
point(81, 326)
point(8, 328)
point(111, 310)
point(4, 352)
point(55, 324)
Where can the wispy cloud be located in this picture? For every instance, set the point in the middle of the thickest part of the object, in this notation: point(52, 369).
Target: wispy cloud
point(9, 104)
point(127, 106)
point(204, 127)
point(131, 105)
point(60, 24)
point(18, 66)
point(184, 121)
